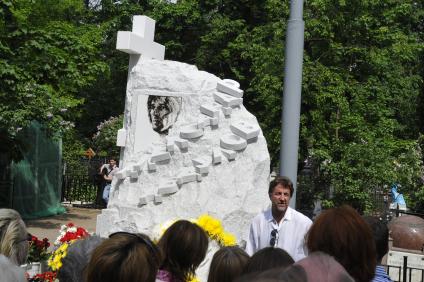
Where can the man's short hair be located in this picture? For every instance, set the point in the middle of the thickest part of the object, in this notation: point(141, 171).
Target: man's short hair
point(283, 181)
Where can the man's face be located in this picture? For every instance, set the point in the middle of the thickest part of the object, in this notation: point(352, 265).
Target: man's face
point(112, 162)
point(280, 198)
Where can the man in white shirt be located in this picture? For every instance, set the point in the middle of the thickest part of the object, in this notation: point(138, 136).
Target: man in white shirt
point(280, 226)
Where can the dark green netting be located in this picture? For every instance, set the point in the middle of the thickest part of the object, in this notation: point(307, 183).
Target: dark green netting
point(37, 178)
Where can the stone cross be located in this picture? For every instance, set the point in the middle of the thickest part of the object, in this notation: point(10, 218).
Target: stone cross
point(140, 41)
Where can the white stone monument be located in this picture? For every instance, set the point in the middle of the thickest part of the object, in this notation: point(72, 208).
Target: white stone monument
point(189, 147)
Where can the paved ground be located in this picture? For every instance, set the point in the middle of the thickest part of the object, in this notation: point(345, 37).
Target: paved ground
point(49, 226)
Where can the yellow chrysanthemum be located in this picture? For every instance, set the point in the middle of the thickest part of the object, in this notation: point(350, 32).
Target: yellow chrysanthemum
point(215, 231)
point(227, 239)
point(193, 279)
point(55, 260)
point(211, 225)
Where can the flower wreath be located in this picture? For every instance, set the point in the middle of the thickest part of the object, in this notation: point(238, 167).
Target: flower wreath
point(69, 234)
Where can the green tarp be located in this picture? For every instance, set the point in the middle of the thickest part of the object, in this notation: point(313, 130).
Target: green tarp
point(37, 178)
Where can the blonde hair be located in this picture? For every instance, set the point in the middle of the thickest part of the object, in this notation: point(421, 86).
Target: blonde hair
point(13, 236)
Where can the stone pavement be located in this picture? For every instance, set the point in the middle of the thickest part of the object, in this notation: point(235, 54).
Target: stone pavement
point(48, 227)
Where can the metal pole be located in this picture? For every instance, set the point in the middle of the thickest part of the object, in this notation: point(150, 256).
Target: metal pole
point(405, 267)
point(292, 94)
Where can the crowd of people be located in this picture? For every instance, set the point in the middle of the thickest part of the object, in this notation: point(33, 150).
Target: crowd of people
point(283, 245)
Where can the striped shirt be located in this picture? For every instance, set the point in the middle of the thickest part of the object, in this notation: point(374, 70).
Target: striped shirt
point(381, 275)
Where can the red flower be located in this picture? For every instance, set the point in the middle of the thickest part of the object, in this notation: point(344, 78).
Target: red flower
point(46, 276)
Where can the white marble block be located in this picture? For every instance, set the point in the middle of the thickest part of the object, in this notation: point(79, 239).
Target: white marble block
point(167, 187)
point(227, 111)
point(199, 177)
point(233, 142)
point(186, 175)
point(227, 100)
point(170, 146)
point(214, 121)
point(151, 166)
point(191, 132)
point(245, 130)
point(158, 199)
point(201, 165)
point(160, 156)
point(216, 156)
point(182, 144)
point(229, 88)
point(210, 110)
point(142, 201)
point(229, 154)
point(121, 137)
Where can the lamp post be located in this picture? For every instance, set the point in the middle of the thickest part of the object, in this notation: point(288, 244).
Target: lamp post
point(290, 118)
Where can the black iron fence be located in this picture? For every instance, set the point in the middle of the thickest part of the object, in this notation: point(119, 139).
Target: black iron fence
point(82, 184)
point(79, 188)
point(405, 273)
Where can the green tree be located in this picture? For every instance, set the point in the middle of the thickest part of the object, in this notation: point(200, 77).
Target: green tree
point(104, 140)
point(47, 55)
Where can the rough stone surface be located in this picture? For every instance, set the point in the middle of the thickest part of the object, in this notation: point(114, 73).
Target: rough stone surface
point(232, 191)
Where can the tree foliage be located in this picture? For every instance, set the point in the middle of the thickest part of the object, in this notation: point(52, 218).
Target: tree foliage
point(47, 55)
point(104, 141)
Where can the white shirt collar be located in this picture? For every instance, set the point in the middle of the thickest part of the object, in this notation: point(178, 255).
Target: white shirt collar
point(287, 216)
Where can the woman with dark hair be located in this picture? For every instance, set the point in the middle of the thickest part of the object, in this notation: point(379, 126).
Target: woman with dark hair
point(342, 233)
point(183, 247)
point(227, 264)
point(268, 258)
point(124, 257)
point(13, 236)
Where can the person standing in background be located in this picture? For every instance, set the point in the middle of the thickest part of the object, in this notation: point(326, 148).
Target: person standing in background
point(108, 170)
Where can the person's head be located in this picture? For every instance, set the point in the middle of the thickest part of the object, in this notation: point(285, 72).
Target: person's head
point(319, 266)
point(77, 258)
point(268, 258)
point(183, 247)
point(124, 257)
point(10, 272)
point(342, 233)
point(227, 264)
point(381, 236)
point(13, 236)
point(280, 192)
point(112, 162)
point(293, 273)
